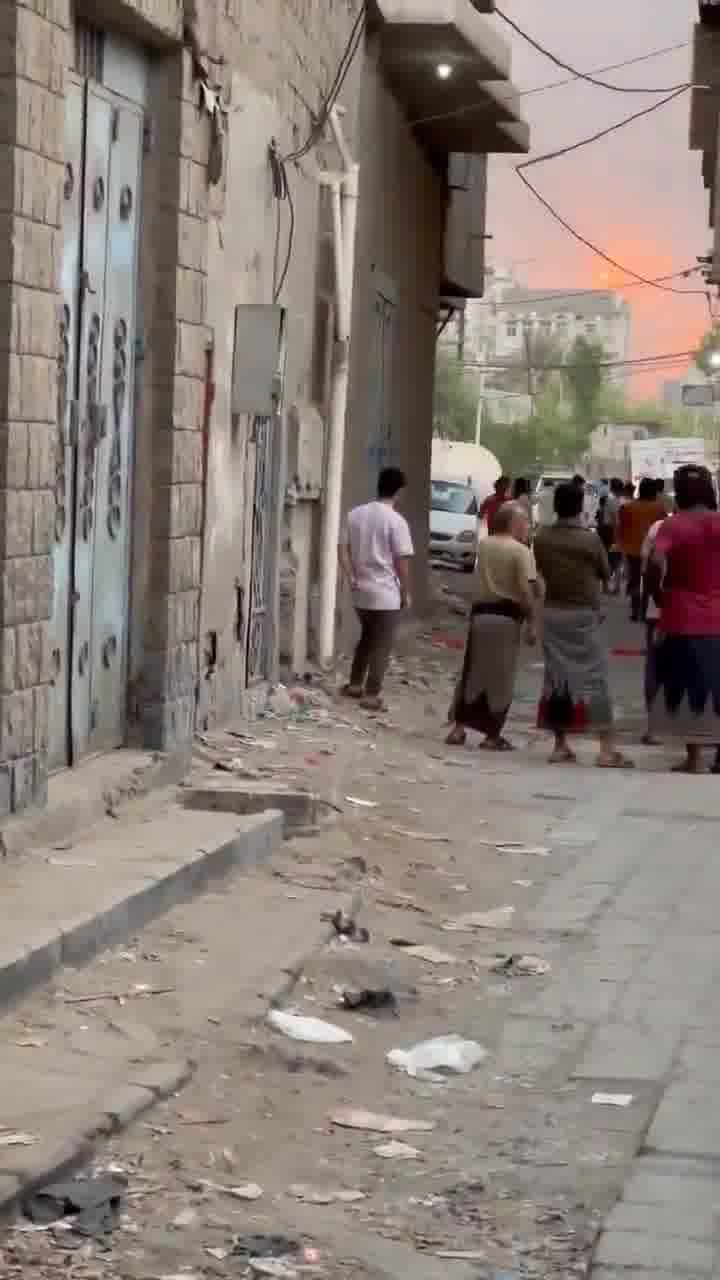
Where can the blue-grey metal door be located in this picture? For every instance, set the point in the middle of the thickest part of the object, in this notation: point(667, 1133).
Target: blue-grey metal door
point(97, 340)
point(380, 441)
point(260, 619)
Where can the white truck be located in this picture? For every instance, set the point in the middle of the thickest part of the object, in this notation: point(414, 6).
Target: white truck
point(660, 458)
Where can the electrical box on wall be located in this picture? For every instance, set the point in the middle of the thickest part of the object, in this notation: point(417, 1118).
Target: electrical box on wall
point(257, 359)
point(308, 428)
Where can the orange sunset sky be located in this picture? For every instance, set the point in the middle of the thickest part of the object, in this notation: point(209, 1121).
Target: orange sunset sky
point(637, 194)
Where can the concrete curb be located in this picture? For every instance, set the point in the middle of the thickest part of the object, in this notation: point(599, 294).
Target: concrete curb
point(300, 809)
point(46, 1163)
point(75, 943)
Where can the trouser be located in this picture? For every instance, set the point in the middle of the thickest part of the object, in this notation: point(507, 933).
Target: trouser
point(372, 655)
point(634, 586)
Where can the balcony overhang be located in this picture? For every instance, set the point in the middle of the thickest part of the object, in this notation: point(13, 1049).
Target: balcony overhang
point(449, 68)
point(704, 102)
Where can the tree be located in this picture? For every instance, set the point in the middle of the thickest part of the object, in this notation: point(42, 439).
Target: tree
point(456, 401)
point(533, 371)
point(584, 378)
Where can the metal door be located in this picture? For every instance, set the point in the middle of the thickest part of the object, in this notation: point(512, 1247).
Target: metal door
point(97, 337)
point(260, 619)
point(380, 442)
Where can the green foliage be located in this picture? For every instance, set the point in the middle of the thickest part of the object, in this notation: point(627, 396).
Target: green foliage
point(584, 378)
point(536, 367)
point(456, 400)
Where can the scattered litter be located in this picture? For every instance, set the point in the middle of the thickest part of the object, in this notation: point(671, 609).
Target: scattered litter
point(324, 1196)
point(279, 1268)
point(188, 1116)
point(140, 989)
point(431, 955)
point(345, 927)
point(524, 884)
point(372, 1122)
point(426, 836)
point(92, 1204)
point(497, 918)
point(396, 1151)
point(527, 850)
point(186, 1218)
point(256, 1245)
point(9, 1138)
point(70, 862)
point(298, 1026)
point(521, 966)
point(218, 1254)
point(30, 1043)
point(248, 1191)
point(374, 999)
point(612, 1099)
point(444, 1054)
point(362, 804)
point(461, 1255)
point(182, 1275)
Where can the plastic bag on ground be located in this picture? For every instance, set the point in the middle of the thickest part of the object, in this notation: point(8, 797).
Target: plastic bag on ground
point(297, 1026)
point(443, 1055)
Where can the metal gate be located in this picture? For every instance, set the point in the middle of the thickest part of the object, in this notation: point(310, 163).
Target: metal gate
point(260, 637)
point(103, 149)
point(380, 442)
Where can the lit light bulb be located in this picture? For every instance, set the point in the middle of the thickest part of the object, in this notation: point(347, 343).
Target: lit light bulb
point(444, 71)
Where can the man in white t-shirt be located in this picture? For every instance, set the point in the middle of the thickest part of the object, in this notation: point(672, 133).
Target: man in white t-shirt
point(375, 556)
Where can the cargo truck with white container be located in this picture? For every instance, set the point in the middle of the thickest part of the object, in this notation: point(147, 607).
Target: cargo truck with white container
point(659, 458)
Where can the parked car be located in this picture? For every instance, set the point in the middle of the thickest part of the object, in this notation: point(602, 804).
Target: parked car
point(543, 510)
point(454, 523)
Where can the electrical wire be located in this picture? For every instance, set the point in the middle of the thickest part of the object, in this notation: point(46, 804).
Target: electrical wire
point(290, 242)
point(582, 75)
point(648, 362)
point(545, 88)
point(528, 298)
point(346, 60)
point(600, 253)
point(602, 133)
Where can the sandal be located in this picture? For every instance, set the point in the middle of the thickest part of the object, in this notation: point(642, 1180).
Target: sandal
point(496, 744)
point(351, 691)
point(373, 704)
point(693, 769)
point(566, 756)
point(616, 761)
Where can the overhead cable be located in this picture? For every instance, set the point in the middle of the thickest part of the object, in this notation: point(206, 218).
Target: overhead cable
point(529, 298)
point(602, 133)
point(346, 60)
point(582, 75)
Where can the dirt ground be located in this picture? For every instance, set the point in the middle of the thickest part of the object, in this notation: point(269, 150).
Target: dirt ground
point(511, 1169)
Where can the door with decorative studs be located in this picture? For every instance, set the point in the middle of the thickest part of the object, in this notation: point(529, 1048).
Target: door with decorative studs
point(97, 342)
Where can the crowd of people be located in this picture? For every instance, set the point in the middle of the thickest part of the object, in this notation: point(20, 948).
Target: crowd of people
point(551, 582)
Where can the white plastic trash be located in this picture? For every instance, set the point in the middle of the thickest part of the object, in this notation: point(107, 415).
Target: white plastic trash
point(297, 1026)
point(449, 1054)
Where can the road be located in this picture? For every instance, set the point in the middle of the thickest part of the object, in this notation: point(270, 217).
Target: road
point(587, 1140)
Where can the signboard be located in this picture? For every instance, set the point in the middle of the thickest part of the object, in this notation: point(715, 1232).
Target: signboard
point(698, 395)
point(659, 459)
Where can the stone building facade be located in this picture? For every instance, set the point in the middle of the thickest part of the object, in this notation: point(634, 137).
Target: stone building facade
point(166, 304)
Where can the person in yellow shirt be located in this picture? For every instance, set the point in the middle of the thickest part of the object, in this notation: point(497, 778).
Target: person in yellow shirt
point(635, 521)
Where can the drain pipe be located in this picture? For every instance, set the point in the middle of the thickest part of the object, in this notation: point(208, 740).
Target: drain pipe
point(344, 195)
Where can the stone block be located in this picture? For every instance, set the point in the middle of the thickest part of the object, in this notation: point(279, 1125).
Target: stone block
point(31, 644)
point(191, 296)
point(191, 342)
point(26, 587)
point(168, 725)
point(192, 242)
point(184, 564)
point(41, 717)
point(16, 522)
point(14, 453)
point(39, 120)
point(194, 192)
point(300, 809)
point(8, 659)
point(42, 444)
point(34, 324)
point(680, 1257)
point(26, 783)
point(177, 511)
point(36, 253)
point(41, 50)
point(188, 403)
point(194, 132)
point(17, 718)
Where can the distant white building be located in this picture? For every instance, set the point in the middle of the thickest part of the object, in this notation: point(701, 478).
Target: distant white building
point(498, 328)
point(674, 394)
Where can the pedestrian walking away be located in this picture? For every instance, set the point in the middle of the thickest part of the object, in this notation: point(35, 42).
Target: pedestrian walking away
point(651, 613)
point(685, 569)
point(375, 556)
point(576, 696)
point(635, 520)
point(504, 600)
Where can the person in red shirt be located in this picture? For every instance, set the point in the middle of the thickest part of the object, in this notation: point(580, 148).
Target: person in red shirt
point(492, 505)
point(684, 569)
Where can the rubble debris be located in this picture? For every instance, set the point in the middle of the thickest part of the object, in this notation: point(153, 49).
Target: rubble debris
point(426, 836)
point(92, 1204)
point(450, 1054)
point(345, 927)
point(612, 1099)
point(326, 1195)
point(497, 918)
point(298, 1026)
point(185, 1218)
point(431, 955)
point(375, 999)
point(258, 1245)
point(361, 804)
point(396, 1151)
point(13, 1138)
point(373, 1122)
point(516, 966)
point(527, 850)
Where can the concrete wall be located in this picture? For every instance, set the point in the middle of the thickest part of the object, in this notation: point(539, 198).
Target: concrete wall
point(401, 221)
